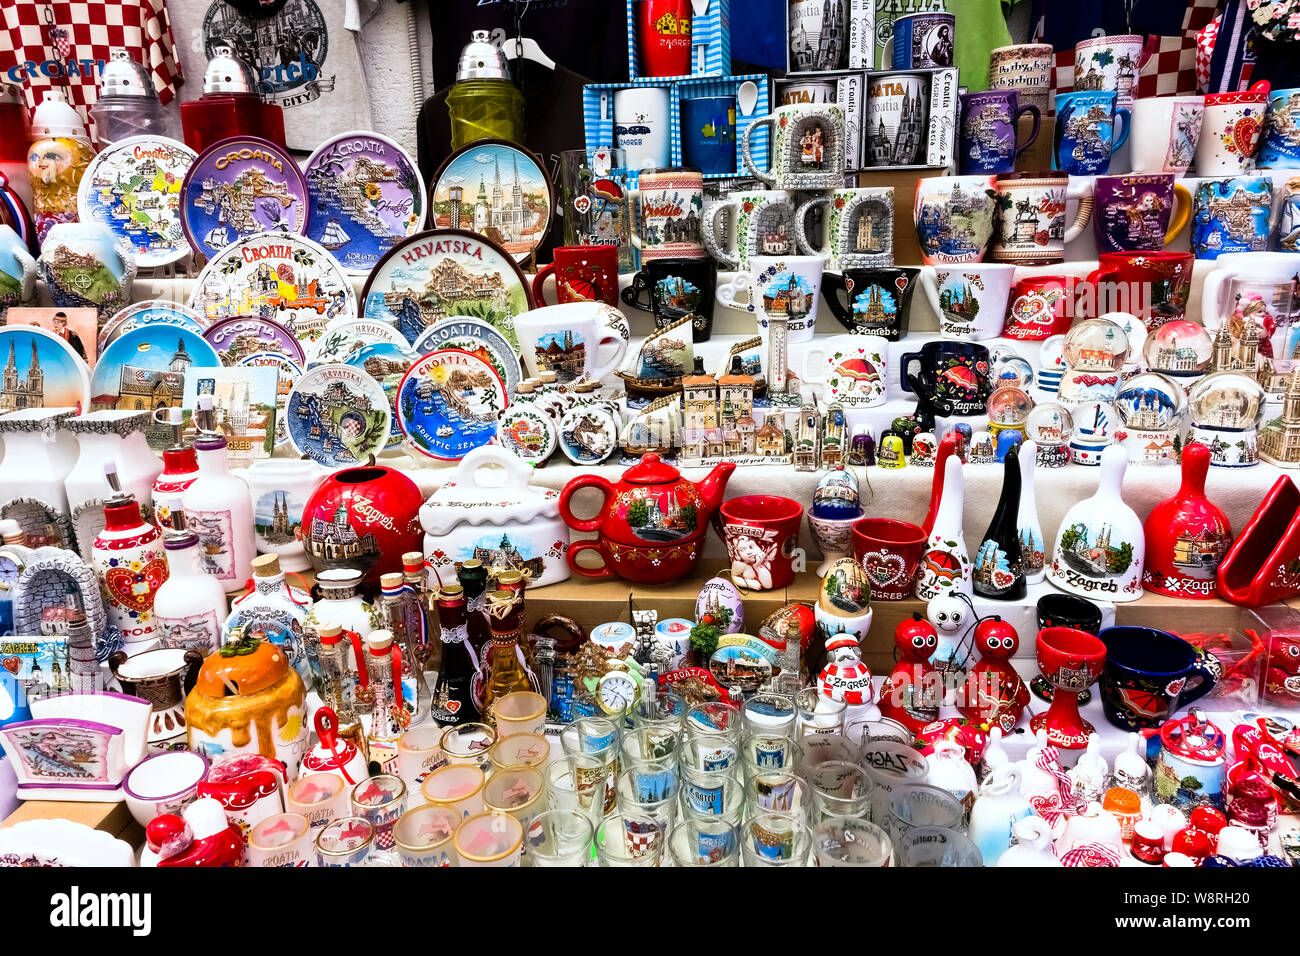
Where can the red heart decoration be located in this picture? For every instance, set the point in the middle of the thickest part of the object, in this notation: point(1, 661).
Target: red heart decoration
point(848, 284)
point(135, 590)
point(12, 664)
point(453, 706)
point(900, 283)
point(1245, 133)
point(582, 204)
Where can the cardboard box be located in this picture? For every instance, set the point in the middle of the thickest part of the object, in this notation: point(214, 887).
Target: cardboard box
point(710, 40)
point(850, 96)
point(941, 123)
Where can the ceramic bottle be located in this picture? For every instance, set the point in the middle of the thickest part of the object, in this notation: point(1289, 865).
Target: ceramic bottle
point(1100, 545)
point(39, 453)
point(279, 488)
point(945, 566)
point(180, 468)
point(102, 436)
point(1032, 846)
point(190, 607)
point(273, 611)
point(999, 570)
point(342, 603)
point(1186, 536)
point(998, 807)
point(128, 558)
point(217, 507)
point(1033, 549)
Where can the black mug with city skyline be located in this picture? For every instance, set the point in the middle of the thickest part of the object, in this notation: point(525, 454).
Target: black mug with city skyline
point(671, 289)
point(871, 301)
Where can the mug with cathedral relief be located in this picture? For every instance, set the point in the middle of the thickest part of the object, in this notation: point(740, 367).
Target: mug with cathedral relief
point(858, 228)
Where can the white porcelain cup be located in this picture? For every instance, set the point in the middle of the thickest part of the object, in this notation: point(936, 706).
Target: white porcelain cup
point(970, 299)
point(850, 368)
point(641, 127)
point(574, 340)
point(164, 782)
point(280, 488)
point(1231, 131)
point(788, 285)
point(1164, 133)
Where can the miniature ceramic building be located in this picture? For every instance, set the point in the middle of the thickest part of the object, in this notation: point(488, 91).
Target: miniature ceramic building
point(1279, 439)
point(833, 437)
point(806, 436)
point(769, 440)
point(1242, 356)
point(719, 417)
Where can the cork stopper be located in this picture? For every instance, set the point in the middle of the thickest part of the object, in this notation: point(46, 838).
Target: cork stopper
point(524, 388)
point(377, 642)
point(266, 566)
point(329, 633)
point(392, 579)
point(12, 532)
point(413, 559)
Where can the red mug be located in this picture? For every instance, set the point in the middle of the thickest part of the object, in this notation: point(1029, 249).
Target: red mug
point(761, 532)
point(890, 551)
point(1154, 286)
point(663, 33)
point(1041, 306)
point(582, 274)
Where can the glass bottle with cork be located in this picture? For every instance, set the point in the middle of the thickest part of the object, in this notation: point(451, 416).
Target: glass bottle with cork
point(473, 579)
point(453, 702)
point(339, 684)
point(507, 670)
point(404, 620)
point(390, 712)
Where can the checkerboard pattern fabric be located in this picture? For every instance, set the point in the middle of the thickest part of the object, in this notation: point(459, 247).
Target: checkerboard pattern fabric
point(61, 44)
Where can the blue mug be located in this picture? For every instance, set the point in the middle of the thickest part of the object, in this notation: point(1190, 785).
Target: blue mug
point(1280, 146)
point(1149, 675)
point(1231, 214)
point(924, 41)
point(1085, 131)
point(709, 134)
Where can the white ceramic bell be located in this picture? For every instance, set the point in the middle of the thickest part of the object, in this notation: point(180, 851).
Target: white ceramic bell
point(1033, 846)
point(1101, 544)
point(1034, 781)
point(949, 770)
point(995, 755)
point(1131, 769)
point(1089, 773)
point(945, 565)
point(1093, 825)
point(1033, 548)
point(998, 807)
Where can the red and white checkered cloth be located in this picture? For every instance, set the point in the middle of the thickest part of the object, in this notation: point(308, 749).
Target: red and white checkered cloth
point(60, 44)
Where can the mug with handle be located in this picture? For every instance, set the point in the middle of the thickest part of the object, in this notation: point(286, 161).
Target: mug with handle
point(670, 206)
point(970, 299)
point(807, 146)
point(859, 225)
point(582, 274)
point(1262, 268)
point(762, 223)
point(1220, 208)
point(1085, 132)
point(1151, 674)
point(854, 369)
point(1139, 212)
point(575, 340)
point(788, 285)
point(989, 134)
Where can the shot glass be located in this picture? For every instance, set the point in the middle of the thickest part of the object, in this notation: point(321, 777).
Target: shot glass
point(285, 839)
point(709, 752)
point(778, 791)
point(815, 749)
point(840, 789)
point(518, 791)
point(658, 720)
point(381, 799)
point(769, 714)
point(345, 842)
point(890, 764)
point(767, 752)
point(522, 712)
point(521, 750)
point(423, 836)
point(650, 790)
point(456, 786)
point(578, 782)
point(419, 751)
point(701, 842)
point(470, 744)
point(774, 839)
point(489, 839)
point(712, 793)
point(936, 846)
point(921, 805)
point(638, 746)
point(320, 797)
point(714, 718)
point(817, 714)
point(847, 841)
point(624, 839)
point(559, 838)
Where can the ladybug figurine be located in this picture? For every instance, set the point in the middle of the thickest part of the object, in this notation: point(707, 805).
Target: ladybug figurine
point(994, 696)
point(913, 690)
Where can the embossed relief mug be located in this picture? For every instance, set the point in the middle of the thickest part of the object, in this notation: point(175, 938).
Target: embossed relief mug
point(1025, 68)
point(1139, 213)
point(1029, 228)
point(760, 222)
point(1231, 130)
point(1166, 130)
point(1280, 147)
point(1090, 126)
point(807, 146)
point(954, 217)
point(859, 228)
point(1232, 214)
point(1109, 63)
point(989, 139)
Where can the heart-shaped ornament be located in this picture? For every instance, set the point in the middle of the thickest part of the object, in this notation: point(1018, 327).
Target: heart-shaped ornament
point(900, 283)
point(12, 664)
point(1245, 134)
point(849, 284)
point(884, 567)
point(582, 204)
point(135, 590)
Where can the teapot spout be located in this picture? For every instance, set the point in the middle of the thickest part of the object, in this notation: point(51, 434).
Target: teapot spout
point(714, 485)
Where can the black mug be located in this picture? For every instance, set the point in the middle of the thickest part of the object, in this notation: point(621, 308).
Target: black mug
point(1066, 610)
point(674, 289)
point(953, 372)
point(871, 301)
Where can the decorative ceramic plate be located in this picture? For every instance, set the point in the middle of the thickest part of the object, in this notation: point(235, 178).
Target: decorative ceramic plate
point(133, 186)
point(61, 379)
point(240, 336)
point(449, 403)
point(152, 312)
point(270, 276)
point(341, 339)
point(443, 273)
point(238, 187)
point(366, 195)
point(478, 337)
point(528, 433)
point(504, 194)
point(289, 372)
point(145, 369)
point(55, 842)
point(337, 415)
point(387, 363)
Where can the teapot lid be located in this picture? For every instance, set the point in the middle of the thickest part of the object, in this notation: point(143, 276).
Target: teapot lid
point(242, 666)
point(651, 470)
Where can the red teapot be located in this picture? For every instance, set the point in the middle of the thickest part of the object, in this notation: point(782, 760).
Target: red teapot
point(651, 524)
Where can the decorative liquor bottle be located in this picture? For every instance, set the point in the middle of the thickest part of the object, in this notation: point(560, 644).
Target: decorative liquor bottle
point(129, 560)
point(453, 702)
point(273, 611)
point(190, 607)
point(999, 569)
point(218, 508)
point(342, 672)
point(404, 620)
point(473, 579)
point(506, 669)
point(390, 713)
point(180, 468)
point(417, 579)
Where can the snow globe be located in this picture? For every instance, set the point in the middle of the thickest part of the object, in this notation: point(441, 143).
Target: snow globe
point(1226, 408)
point(1152, 408)
point(1049, 425)
point(1180, 349)
point(1009, 406)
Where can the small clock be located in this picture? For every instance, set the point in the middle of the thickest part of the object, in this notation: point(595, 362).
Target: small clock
point(616, 692)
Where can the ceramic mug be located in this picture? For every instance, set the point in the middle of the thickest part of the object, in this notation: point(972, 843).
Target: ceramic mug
point(1030, 226)
point(889, 551)
point(859, 227)
point(1232, 214)
point(807, 146)
point(669, 204)
point(641, 126)
point(779, 285)
point(1040, 307)
point(674, 289)
point(954, 217)
point(1087, 132)
point(1231, 130)
point(1154, 286)
point(898, 119)
point(576, 340)
point(1166, 130)
point(1280, 147)
point(1067, 610)
point(1139, 213)
point(817, 34)
point(854, 369)
point(988, 136)
point(1150, 674)
point(790, 92)
point(1025, 68)
point(762, 223)
point(709, 134)
point(663, 37)
point(582, 274)
point(970, 300)
point(871, 301)
point(956, 372)
point(1109, 63)
point(924, 41)
point(280, 488)
point(761, 533)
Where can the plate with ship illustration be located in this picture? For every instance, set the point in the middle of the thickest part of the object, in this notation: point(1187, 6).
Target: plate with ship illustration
point(479, 338)
point(499, 190)
point(448, 404)
point(151, 312)
point(133, 186)
point(365, 195)
point(337, 415)
point(442, 273)
point(238, 187)
point(342, 339)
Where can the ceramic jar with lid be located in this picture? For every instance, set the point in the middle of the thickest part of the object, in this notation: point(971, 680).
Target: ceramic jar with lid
point(489, 510)
point(108, 435)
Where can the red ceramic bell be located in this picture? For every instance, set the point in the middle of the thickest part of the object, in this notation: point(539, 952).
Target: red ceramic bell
point(948, 446)
point(994, 694)
point(1263, 564)
point(913, 690)
point(651, 524)
point(1186, 535)
point(364, 518)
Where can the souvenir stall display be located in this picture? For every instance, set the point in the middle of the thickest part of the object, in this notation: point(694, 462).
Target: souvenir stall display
point(350, 520)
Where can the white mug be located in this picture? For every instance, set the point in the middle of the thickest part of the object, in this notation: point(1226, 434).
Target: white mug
point(1263, 267)
point(788, 285)
point(641, 127)
point(761, 223)
point(574, 340)
point(1231, 131)
point(853, 369)
point(1164, 133)
point(280, 488)
point(970, 299)
point(1109, 63)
